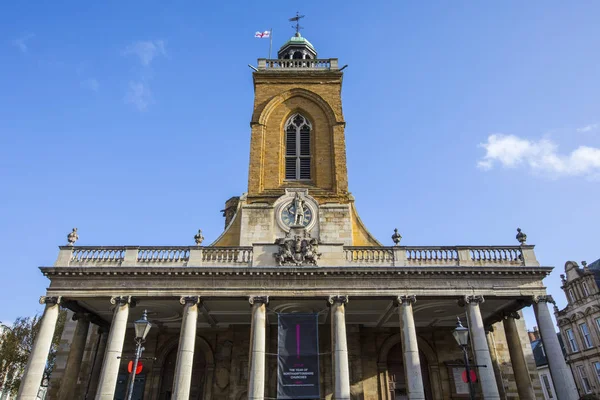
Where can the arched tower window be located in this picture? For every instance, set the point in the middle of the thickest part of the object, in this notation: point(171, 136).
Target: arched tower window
point(297, 148)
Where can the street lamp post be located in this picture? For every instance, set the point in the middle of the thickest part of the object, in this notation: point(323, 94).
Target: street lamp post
point(142, 327)
point(461, 334)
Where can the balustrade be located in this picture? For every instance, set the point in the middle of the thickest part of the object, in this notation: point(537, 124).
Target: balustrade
point(368, 255)
point(291, 64)
point(97, 255)
point(227, 255)
point(165, 255)
point(395, 256)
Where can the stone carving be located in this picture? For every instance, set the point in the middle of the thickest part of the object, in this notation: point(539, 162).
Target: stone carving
point(343, 299)
point(198, 237)
point(122, 300)
point(544, 299)
point(521, 237)
point(475, 299)
point(258, 300)
point(396, 237)
point(193, 300)
point(297, 250)
point(72, 237)
point(411, 299)
point(297, 209)
point(50, 300)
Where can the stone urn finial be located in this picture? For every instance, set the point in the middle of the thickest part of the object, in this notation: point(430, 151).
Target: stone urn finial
point(521, 237)
point(198, 238)
point(585, 267)
point(396, 237)
point(72, 237)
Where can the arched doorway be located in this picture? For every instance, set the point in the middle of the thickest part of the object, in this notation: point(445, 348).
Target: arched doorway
point(397, 376)
point(168, 375)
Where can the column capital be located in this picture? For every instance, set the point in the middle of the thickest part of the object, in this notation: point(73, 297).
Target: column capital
point(468, 299)
point(50, 300)
point(193, 300)
point(337, 299)
point(544, 299)
point(511, 314)
point(81, 316)
point(409, 299)
point(122, 300)
point(258, 300)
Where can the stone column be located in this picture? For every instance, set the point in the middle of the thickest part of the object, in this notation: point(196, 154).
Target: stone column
point(69, 380)
point(185, 352)
point(489, 331)
point(114, 348)
point(256, 376)
point(481, 351)
point(34, 371)
point(339, 348)
point(517, 358)
point(564, 384)
point(410, 348)
point(99, 352)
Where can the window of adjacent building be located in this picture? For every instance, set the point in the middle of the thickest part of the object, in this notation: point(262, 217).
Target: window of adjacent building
point(547, 386)
point(584, 379)
point(587, 339)
point(598, 324)
point(597, 368)
point(572, 341)
point(571, 295)
point(586, 292)
point(297, 148)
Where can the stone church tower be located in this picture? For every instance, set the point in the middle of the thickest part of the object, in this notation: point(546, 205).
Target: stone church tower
point(294, 244)
point(297, 144)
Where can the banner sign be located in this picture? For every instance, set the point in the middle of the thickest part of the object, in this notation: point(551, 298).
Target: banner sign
point(298, 356)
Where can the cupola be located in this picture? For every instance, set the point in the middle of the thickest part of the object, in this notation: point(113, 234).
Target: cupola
point(297, 48)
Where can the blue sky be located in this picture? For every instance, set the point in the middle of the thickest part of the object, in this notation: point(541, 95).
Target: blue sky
point(130, 121)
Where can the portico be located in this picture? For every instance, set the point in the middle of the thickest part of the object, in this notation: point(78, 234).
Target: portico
point(373, 305)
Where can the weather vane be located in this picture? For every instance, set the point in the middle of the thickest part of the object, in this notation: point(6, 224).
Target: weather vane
point(297, 20)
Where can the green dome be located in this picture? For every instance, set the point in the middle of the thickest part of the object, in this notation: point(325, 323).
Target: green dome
point(299, 41)
point(297, 47)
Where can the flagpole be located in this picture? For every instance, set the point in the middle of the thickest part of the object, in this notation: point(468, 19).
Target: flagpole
point(270, 42)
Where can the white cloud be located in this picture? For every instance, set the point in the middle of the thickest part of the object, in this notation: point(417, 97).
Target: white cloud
point(91, 84)
point(540, 156)
point(21, 43)
point(589, 128)
point(146, 50)
point(139, 95)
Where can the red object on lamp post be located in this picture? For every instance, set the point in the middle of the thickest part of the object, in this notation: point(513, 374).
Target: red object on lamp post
point(473, 376)
point(137, 370)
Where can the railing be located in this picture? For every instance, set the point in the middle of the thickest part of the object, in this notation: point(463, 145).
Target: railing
point(263, 255)
point(109, 256)
point(97, 255)
point(296, 64)
point(419, 255)
point(227, 255)
point(164, 255)
point(369, 255)
point(440, 256)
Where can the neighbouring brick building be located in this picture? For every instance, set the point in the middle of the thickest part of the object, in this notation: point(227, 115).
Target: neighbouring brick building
point(579, 324)
point(295, 243)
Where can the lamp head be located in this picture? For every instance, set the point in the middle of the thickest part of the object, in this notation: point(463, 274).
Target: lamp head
point(142, 327)
point(461, 334)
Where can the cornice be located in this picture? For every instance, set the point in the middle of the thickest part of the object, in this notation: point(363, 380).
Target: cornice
point(295, 271)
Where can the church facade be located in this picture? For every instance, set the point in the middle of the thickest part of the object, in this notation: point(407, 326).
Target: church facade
point(294, 243)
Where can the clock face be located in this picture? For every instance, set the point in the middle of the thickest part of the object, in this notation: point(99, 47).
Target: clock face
point(296, 214)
